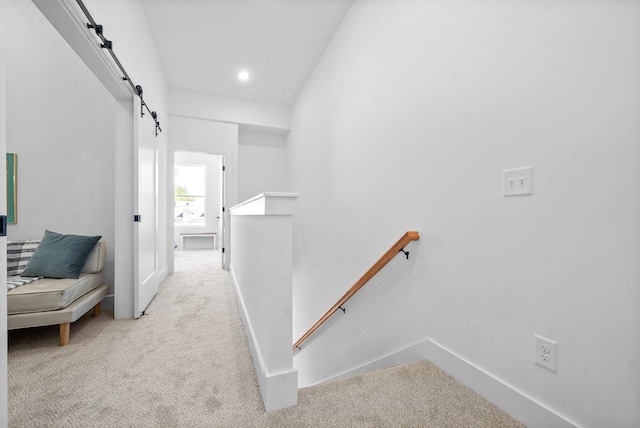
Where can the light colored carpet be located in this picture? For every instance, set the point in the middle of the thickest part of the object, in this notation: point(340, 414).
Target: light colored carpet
point(187, 364)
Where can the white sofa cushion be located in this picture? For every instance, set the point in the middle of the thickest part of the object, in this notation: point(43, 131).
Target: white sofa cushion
point(50, 294)
point(96, 259)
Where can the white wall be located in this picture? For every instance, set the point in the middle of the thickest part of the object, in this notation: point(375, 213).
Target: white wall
point(261, 163)
point(255, 115)
point(407, 123)
point(212, 125)
point(206, 136)
point(4, 398)
point(60, 124)
point(212, 189)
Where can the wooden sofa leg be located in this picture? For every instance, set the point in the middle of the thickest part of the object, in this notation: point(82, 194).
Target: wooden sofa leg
point(65, 327)
point(96, 310)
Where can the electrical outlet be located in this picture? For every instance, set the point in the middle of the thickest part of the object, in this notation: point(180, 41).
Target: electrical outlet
point(545, 353)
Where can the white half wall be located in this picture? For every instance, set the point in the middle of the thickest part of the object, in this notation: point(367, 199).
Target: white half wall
point(408, 122)
point(262, 235)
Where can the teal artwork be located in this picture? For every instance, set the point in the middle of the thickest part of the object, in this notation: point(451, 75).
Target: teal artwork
point(12, 189)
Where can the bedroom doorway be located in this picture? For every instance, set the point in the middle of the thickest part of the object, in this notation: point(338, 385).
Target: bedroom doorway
point(198, 214)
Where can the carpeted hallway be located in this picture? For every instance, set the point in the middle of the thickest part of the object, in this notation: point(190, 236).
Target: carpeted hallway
point(187, 364)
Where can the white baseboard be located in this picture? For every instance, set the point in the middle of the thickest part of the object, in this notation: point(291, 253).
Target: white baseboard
point(279, 390)
point(515, 403)
point(162, 275)
point(108, 303)
point(407, 355)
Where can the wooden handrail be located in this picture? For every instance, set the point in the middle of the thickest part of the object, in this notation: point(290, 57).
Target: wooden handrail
point(373, 270)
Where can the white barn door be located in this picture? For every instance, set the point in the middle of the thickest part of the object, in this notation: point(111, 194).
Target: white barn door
point(145, 165)
point(222, 225)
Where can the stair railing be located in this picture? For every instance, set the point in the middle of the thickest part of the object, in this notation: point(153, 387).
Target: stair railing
point(373, 270)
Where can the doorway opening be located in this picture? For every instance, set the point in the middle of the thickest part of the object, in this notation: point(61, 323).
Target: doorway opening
point(198, 200)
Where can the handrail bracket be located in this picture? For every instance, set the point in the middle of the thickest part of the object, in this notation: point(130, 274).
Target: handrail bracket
point(406, 253)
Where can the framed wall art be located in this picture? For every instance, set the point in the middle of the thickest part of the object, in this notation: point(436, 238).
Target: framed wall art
point(12, 188)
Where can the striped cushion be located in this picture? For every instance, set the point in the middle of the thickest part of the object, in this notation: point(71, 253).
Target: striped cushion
point(18, 255)
point(17, 281)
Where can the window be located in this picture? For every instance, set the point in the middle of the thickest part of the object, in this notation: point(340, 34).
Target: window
point(189, 195)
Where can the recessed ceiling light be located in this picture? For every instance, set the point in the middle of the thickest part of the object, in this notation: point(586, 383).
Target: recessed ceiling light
point(243, 76)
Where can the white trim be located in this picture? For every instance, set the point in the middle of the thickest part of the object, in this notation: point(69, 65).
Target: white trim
point(67, 17)
point(514, 402)
point(407, 355)
point(197, 235)
point(162, 274)
point(279, 390)
point(525, 409)
point(268, 203)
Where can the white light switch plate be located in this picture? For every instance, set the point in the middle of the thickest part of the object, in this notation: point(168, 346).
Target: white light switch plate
point(517, 182)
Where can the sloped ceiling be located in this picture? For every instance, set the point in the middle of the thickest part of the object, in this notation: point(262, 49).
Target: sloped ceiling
point(203, 44)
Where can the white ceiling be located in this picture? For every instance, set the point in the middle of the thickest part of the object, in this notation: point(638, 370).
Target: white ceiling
point(202, 44)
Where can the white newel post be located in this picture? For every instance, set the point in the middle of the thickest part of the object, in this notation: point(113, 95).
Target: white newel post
point(261, 269)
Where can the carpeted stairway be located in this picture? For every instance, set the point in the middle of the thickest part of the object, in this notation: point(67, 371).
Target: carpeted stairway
point(186, 364)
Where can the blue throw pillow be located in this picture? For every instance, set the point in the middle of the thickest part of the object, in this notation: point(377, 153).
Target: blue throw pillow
point(60, 256)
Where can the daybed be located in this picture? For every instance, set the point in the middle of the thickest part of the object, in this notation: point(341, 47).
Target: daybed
point(54, 295)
